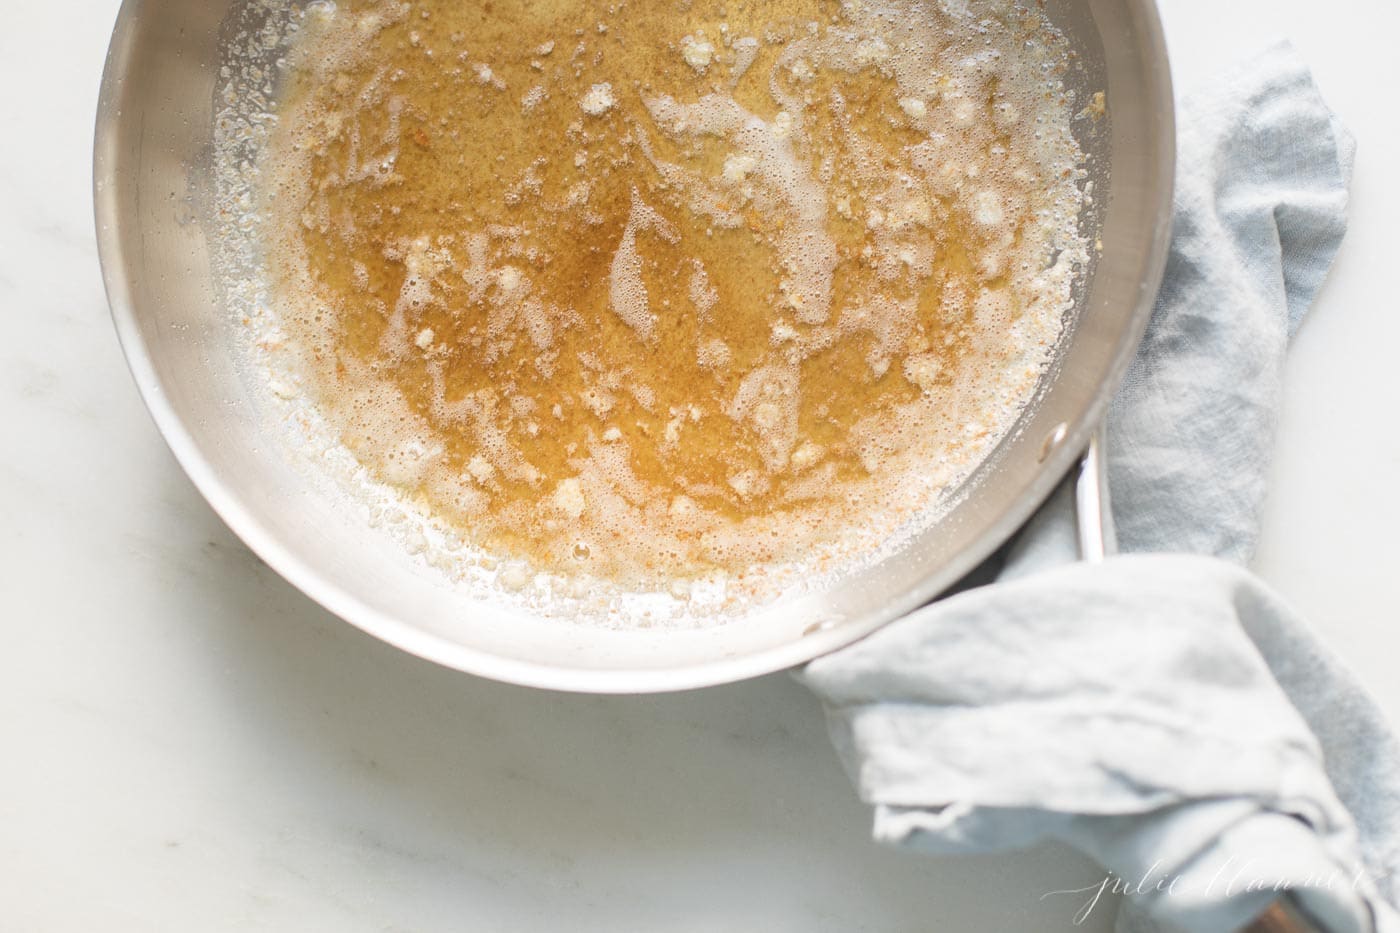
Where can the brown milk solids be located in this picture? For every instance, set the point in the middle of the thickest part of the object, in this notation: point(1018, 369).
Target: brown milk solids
point(645, 291)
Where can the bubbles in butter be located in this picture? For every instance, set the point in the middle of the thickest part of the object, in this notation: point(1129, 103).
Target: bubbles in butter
point(732, 295)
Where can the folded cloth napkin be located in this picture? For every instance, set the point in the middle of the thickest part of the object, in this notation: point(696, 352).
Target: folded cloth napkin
point(1163, 712)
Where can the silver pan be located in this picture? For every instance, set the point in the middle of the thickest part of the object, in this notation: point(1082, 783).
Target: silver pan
point(153, 149)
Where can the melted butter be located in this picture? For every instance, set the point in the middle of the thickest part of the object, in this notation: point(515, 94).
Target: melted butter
point(672, 289)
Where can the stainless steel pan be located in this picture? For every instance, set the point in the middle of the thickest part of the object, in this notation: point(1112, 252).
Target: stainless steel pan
point(153, 149)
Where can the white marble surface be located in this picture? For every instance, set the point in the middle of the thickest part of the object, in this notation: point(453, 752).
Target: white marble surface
point(189, 744)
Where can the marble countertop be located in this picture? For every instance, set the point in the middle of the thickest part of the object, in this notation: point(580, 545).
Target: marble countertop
point(190, 744)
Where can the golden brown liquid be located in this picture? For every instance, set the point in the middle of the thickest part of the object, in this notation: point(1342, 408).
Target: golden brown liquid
point(475, 218)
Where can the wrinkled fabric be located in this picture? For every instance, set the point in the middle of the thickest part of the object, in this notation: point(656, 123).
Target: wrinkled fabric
point(1163, 712)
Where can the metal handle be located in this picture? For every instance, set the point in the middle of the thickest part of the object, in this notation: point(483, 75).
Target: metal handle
point(1284, 916)
point(1093, 516)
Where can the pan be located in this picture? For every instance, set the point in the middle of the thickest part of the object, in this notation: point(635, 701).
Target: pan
point(152, 175)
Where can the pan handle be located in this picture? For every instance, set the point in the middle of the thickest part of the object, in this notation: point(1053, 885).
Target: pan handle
point(1093, 513)
point(1093, 516)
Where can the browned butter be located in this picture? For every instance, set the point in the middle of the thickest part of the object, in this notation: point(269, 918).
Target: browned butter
point(651, 290)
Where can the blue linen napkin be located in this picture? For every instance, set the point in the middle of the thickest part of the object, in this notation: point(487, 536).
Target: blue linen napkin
point(1163, 712)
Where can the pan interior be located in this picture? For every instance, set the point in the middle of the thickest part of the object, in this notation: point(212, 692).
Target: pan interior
point(155, 187)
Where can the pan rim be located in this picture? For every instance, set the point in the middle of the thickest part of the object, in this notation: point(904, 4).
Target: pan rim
point(233, 510)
